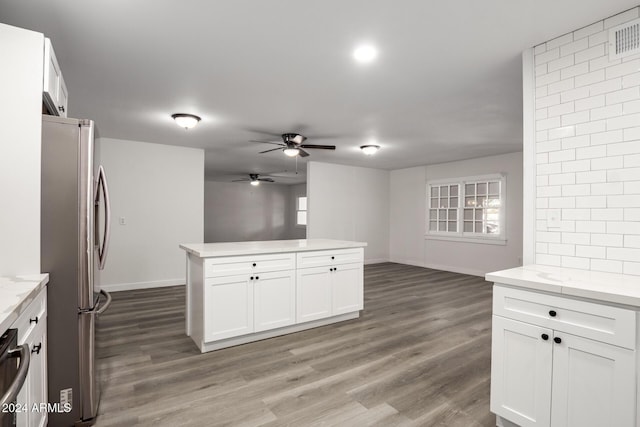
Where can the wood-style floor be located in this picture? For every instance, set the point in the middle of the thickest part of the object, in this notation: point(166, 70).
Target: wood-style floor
point(419, 355)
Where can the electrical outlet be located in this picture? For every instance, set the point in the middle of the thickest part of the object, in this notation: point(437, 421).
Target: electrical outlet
point(122, 220)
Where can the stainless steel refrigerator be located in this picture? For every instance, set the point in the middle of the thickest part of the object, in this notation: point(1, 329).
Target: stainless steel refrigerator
point(75, 224)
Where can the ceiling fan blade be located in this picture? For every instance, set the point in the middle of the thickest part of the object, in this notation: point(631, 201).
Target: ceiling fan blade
point(266, 179)
point(321, 147)
point(273, 149)
point(303, 153)
point(240, 180)
point(267, 142)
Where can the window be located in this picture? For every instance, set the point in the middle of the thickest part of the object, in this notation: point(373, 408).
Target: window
point(469, 208)
point(301, 218)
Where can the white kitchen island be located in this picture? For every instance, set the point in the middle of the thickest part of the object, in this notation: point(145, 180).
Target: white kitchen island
point(240, 292)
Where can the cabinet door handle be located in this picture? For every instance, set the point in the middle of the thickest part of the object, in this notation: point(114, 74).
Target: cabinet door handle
point(331, 269)
point(557, 340)
point(333, 257)
point(36, 348)
point(257, 277)
point(552, 313)
point(335, 268)
point(61, 108)
point(251, 278)
point(545, 337)
point(254, 264)
point(35, 320)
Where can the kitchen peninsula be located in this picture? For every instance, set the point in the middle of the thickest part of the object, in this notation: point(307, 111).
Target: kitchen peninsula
point(240, 292)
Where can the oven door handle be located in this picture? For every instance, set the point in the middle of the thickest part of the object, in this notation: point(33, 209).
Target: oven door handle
point(23, 353)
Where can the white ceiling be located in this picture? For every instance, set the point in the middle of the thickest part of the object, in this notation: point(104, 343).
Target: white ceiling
point(446, 85)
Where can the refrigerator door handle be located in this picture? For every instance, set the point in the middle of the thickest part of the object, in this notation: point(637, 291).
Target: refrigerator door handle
point(102, 185)
point(107, 303)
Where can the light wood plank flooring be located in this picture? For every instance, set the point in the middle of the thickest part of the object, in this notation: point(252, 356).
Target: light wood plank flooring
point(418, 356)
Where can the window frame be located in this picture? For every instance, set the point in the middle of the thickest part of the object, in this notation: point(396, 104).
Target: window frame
point(298, 210)
point(460, 235)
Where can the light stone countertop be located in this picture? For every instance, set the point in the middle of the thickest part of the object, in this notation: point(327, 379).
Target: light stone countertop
point(607, 287)
point(16, 293)
point(209, 250)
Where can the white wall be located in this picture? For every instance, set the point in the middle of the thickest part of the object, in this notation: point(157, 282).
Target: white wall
point(586, 160)
point(238, 211)
point(159, 191)
point(408, 218)
point(21, 75)
point(350, 203)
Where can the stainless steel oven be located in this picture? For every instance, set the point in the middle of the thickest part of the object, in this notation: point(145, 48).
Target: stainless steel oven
point(14, 365)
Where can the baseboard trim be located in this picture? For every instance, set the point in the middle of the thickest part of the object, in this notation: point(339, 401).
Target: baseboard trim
point(461, 270)
point(375, 261)
point(117, 287)
point(407, 261)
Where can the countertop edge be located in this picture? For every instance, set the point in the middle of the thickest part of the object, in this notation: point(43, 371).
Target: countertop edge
point(579, 287)
point(213, 253)
point(40, 281)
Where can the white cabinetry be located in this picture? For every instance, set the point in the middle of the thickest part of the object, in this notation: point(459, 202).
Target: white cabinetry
point(334, 285)
point(562, 362)
point(32, 330)
point(236, 299)
point(54, 92)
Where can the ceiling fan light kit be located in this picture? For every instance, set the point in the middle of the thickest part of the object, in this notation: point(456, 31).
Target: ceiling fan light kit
point(292, 145)
point(186, 121)
point(255, 183)
point(370, 149)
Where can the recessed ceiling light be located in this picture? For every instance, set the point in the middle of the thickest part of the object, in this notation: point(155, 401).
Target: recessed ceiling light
point(365, 53)
point(186, 121)
point(291, 152)
point(370, 149)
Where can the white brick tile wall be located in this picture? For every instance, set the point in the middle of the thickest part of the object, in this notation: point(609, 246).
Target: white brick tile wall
point(588, 30)
point(606, 266)
point(587, 119)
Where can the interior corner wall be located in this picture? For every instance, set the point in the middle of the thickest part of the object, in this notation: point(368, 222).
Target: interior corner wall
point(20, 140)
point(158, 191)
point(237, 212)
point(350, 203)
point(408, 218)
point(585, 160)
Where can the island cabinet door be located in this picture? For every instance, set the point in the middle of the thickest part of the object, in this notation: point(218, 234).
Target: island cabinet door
point(313, 293)
point(593, 383)
point(274, 299)
point(346, 284)
point(228, 307)
point(521, 368)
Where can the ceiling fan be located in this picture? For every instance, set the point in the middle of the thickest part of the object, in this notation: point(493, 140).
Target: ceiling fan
point(292, 145)
point(254, 179)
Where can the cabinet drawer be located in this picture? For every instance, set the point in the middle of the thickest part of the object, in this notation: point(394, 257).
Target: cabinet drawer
point(217, 267)
point(599, 322)
point(330, 257)
point(31, 317)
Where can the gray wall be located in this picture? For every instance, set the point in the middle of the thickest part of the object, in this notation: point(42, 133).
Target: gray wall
point(237, 211)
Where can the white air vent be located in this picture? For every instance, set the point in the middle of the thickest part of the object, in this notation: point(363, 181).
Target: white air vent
point(624, 40)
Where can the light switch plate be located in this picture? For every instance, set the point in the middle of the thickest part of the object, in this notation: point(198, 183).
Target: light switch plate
point(553, 218)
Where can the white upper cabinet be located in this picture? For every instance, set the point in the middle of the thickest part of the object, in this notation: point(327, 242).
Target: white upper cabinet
point(55, 95)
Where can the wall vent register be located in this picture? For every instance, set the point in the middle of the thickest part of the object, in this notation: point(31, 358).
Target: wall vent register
point(624, 40)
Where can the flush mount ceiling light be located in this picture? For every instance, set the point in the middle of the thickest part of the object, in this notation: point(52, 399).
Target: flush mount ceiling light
point(291, 152)
point(370, 149)
point(186, 121)
point(365, 53)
